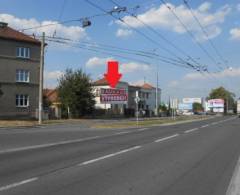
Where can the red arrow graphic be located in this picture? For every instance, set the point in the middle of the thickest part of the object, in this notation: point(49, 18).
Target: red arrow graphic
point(112, 75)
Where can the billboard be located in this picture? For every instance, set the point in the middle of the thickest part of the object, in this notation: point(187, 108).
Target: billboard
point(113, 96)
point(216, 103)
point(185, 106)
point(192, 100)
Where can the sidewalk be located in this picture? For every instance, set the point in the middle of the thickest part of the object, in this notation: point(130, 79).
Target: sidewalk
point(100, 123)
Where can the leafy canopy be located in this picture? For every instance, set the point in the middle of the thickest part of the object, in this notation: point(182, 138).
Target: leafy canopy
point(75, 93)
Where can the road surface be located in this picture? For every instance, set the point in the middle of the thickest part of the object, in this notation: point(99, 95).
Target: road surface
point(197, 158)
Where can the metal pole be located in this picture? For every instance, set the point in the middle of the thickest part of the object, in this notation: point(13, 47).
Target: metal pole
point(157, 93)
point(40, 98)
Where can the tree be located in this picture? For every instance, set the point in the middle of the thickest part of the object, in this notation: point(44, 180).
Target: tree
point(227, 96)
point(197, 107)
point(162, 108)
point(75, 93)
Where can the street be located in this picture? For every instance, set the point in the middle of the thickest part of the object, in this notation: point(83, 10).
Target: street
point(190, 158)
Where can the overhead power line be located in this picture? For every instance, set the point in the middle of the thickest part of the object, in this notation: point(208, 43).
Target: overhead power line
point(205, 33)
point(192, 36)
point(161, 36)
point(111, 52)
point(139, 32)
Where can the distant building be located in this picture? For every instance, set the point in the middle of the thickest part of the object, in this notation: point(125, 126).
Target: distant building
point(19, 73)
point(50, 96)
point(146, 93)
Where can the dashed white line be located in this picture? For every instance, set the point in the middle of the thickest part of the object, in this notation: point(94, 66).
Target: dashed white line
point(234, 186)
point(166, 138)
point(47, 145)
point(123, 132)
point(191, 130)
point(109, 155)
point(204, 126)
point(143, 129)
point(13, 185)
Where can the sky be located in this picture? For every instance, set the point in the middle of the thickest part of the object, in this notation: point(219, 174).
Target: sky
point(160, 40)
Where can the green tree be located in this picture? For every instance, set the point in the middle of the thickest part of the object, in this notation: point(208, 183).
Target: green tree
point(227, 96)
point(75, 93)
point(197, 107)
point(162, 108)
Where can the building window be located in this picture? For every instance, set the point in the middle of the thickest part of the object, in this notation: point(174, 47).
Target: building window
point(22, 100)
point(22, 76)
point(23, 52)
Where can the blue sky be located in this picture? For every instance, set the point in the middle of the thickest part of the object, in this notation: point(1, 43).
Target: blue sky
point(219, 18)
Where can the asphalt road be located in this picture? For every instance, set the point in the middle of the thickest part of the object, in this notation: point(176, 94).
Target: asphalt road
point(197, 158)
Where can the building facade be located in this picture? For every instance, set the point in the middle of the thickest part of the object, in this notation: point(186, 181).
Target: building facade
point(19, 73)
point(146, 93)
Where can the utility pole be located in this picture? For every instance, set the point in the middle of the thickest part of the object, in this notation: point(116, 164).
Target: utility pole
point(157, 93)
point(40, 98)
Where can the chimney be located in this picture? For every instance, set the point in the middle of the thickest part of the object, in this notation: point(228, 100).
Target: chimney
point(3, 24)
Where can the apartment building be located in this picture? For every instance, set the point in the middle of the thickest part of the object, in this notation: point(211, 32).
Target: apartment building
point(19, 73)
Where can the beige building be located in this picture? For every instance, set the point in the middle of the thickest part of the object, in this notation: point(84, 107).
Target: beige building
point(19, 73)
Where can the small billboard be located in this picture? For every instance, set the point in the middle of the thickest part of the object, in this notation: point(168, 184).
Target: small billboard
point(185, 106)
point(238, 106)
point(113, 96)
point(192, 100)
point(216, 103)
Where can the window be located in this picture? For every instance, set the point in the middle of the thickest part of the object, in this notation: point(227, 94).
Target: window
point(22, 76)
point(22, 100)
point(23, 52)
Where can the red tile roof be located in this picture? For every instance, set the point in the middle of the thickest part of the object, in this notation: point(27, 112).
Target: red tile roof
point(147, 86)
point(102, 81)
point(51, 94)
point(7, 32)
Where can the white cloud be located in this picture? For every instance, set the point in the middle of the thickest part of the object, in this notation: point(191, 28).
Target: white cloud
point(231, 72)
point(235, 33)
point(51, 78)
point(204, 7)
point(123, 32)
point(238, 7)
point(53, 74)
point(161, 17)
point(133, 66)
point(199, 85)
point(137, 82)
point(124, 67)
point(96, 61)
point(73, 32)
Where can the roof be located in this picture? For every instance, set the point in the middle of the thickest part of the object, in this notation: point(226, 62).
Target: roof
point(147, 86)
point(7, 32)
point(51, 95)
point(103, 81)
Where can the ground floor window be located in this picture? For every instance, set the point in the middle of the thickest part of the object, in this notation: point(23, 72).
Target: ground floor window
point(22, 100)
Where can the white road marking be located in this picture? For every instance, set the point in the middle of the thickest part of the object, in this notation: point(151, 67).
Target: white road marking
point(143, 129)
point(109, 155)
point(166, 138)
point(204, 126)
point(17, 184)
point(123, 132)
point(234, 186)
point(47, 145)
point(191, 130)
